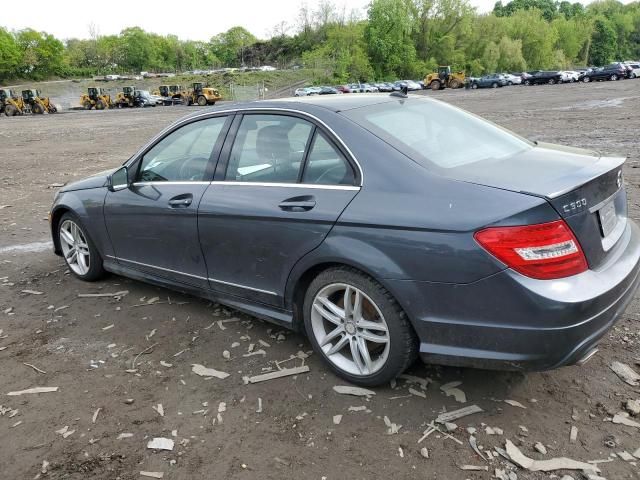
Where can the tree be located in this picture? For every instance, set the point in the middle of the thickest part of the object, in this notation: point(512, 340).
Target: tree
point(42, 54)
point(388, 37)
point(603, 43)
point(229, 46)
point(10, 55)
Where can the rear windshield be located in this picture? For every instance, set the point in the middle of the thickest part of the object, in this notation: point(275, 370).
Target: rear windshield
point(436, 134)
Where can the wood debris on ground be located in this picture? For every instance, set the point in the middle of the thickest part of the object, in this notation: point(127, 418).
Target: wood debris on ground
point(475, 468)
point(456, 414)
point(152, 474)
point(160, 443)
point(124, 435)
point(356, 391)
point(35, 368)
point(392, 428)
point(277, 374)
point(104, 295)
point(95, 415)
point(451, 390)
point(424, 452)
point(551, 465)
point(626, 373)
point(33, 390)
point(337, 419)
point(622, 418)
point(159, 409)
point(203, 371)
point(515, 403)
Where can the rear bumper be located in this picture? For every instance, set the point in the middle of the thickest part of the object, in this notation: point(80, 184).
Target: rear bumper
point(508, 321)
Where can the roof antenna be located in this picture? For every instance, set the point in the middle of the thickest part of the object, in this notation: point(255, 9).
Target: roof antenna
point(403, 93)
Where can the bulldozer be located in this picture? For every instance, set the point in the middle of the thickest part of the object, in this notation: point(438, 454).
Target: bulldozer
point(444, 78)
point(202, 95)
point(97, 98)
point(37, 103)
point(126, 98)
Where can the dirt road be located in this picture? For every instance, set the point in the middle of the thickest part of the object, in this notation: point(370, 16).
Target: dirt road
point(116, 359)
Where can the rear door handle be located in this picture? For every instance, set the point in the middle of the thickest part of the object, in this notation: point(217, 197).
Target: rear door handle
point(298, 204)
point(181, 201)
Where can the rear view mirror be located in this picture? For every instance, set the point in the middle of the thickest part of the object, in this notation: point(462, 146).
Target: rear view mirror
point(118, 180)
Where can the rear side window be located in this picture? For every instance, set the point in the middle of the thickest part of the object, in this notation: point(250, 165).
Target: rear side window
point(437, 135)
point(326, 165)
point(269, 148)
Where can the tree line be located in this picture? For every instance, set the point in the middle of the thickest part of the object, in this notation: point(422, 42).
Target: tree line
point(395, 39)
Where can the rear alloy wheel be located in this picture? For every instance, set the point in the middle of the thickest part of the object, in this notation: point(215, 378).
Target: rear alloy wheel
point(586, 79)
point(552, 81)
point(358, 328)
point(494, 85)
point(78, 250)
point(474, 85)
point(202, 100)
point(613, 77)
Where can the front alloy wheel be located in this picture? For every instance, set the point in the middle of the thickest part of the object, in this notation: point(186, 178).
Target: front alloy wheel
point(357, 327)
point(78, 250)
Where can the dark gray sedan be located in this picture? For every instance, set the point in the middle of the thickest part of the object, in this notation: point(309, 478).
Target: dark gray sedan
point(385, 227)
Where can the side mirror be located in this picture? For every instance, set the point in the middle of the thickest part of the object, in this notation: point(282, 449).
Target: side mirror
point(118, 180)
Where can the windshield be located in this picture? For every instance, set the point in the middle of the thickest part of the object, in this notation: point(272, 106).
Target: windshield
point(437, 135)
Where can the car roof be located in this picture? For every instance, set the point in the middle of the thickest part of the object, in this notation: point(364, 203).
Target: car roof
point(333, 103)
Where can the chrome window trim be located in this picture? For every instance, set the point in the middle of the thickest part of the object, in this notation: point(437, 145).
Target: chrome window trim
point(259, 290)
point(142, 184)
point(288, 185)
point(185, 121)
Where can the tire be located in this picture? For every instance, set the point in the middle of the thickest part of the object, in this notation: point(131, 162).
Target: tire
point(494, 85)
point(37, 109)
point(454, 84)
point(202, 100)
point(94, 270)
point(586, 79)
point(185, 101)
point(633, 75)
point(87, 105)
point(510, 83)
point(10, 111)
point(100, 105)
point(613, 77)
point(551, 81)
point(435, 85)
point(387, 359)
point(527, 82)
point(474, 86)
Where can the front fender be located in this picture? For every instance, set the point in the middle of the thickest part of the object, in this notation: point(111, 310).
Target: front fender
point(88, 205)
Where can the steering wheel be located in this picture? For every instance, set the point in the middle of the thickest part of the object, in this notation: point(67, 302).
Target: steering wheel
point(193, 168)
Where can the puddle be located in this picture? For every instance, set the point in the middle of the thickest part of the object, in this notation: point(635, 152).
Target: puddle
point(27, 248)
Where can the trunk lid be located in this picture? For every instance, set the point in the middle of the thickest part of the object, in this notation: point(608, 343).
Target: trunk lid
point(585, 189)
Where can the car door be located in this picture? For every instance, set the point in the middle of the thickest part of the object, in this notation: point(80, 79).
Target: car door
point(281, 188)
point(153, 224)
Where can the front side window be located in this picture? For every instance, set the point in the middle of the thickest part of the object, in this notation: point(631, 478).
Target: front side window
point(184, 154)
point(269, 148)
point(326, 165)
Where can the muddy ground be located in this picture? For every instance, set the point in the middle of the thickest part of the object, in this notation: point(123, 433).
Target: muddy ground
point(105, 354)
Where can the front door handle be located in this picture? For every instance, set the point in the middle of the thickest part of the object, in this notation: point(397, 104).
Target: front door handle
point(181, 201)
point(298, 204)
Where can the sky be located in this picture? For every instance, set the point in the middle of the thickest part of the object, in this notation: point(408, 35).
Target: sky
point(198, 20)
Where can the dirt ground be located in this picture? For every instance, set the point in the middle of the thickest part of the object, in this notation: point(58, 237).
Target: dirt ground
point(105, 354)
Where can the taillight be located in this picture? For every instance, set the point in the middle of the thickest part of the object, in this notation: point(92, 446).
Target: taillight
point(544, 251)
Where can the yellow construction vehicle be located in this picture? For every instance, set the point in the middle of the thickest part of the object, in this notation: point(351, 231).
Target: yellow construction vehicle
point(126, 97)
point(36, 103)
point(443, 78)
point(202, 95)
point(175, 92)
point(10, 104)
point(97, 98)
point(5, 96)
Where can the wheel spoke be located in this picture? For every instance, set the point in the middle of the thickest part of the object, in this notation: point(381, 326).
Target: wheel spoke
point(326, 314)
point(348, 306)
point(356, 354)
point(372, 337)
point(331, 335)
point(338, 346)
point(367, 325)
point(83, 248)
point(332, 307)
point(357, 306)
point(66, 236)
point(70, 254)
point(364, 351)
point(73, 259)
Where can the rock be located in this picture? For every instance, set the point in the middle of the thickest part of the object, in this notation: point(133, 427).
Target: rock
point(424, 452)
point(160, 443)
point(208, 372)
point(357, 391)
point(626, 373)
point(633, 407)
point(337, 419)
point(540, 448)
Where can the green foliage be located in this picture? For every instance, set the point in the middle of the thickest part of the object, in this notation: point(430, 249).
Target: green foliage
point(397, 39)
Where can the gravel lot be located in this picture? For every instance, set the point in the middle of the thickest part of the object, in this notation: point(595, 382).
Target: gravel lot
point(105, 353)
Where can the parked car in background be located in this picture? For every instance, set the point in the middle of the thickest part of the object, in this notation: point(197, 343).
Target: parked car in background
point(489, 81)
point(384, 87)
point(343, 88)
point(538, 77)
point(356, 88)
point(614, 71)
point(143, 98)
point(368, 88)
point(524, 260)
point(328, 91)
point(523, 76)
point(412, 85)
point(302, 92)
point(633, 69)
point(569, 76)
point(512, 79)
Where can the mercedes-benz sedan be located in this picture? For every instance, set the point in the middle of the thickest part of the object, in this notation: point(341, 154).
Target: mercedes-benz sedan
point(385, 227)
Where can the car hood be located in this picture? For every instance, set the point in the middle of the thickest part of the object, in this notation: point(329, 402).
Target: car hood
point(545, 170)
point(97, 180)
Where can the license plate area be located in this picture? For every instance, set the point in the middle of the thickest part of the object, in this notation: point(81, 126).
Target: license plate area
point(607, 218)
